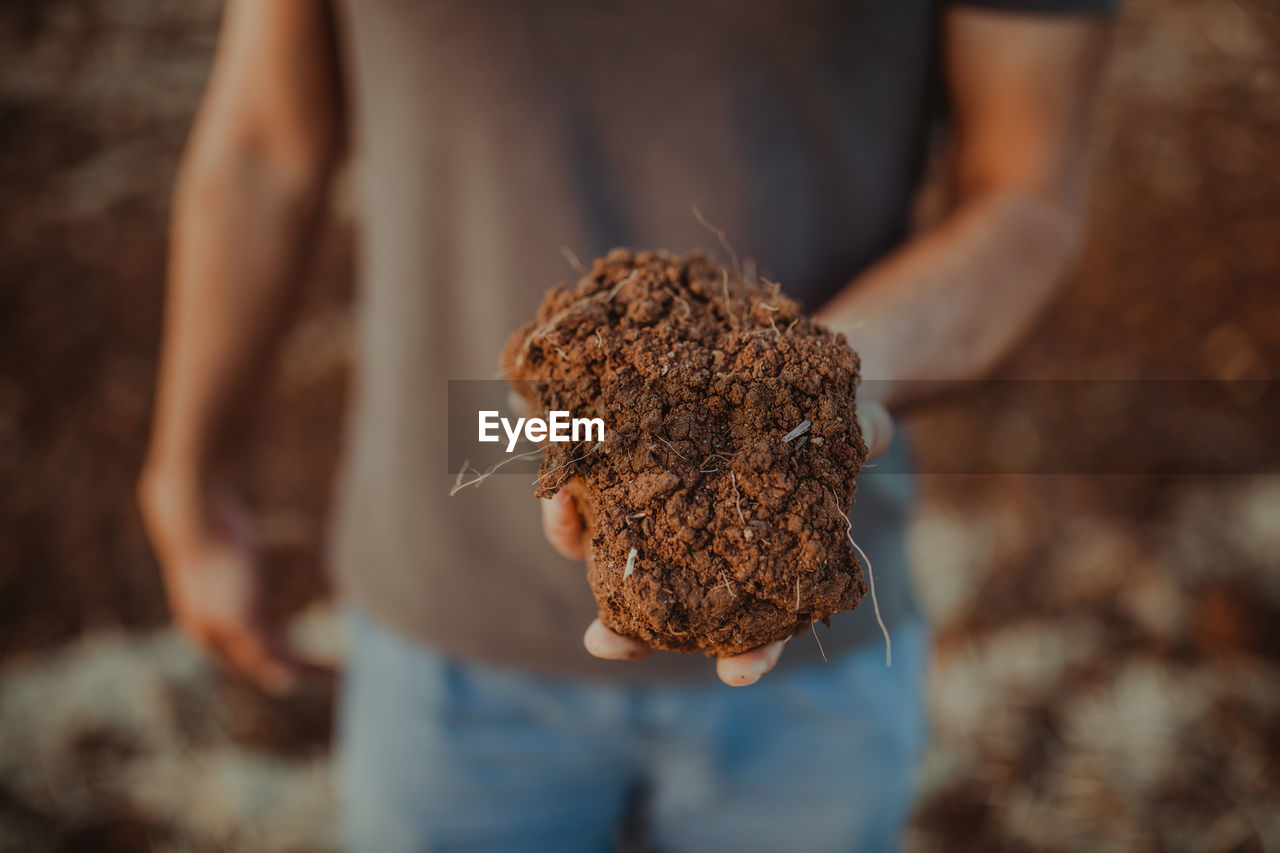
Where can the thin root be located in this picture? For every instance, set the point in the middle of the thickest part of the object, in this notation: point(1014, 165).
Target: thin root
point(672, 447)
point(813, 626)
point(724, 457)
point(724, 241)
point(459, 485)
point(688, 312)
point(538, 480)
point(612, 293)
point(550, 326)
point(737, 498)
point(573, 260)
point(871, 583)
point(724, 284)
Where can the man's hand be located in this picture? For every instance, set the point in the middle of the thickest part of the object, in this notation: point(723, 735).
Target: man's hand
point(211, 576)
point(251, 192)
point(566, 532)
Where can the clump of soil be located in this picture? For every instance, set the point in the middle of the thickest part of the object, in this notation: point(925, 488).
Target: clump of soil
point(716, 504)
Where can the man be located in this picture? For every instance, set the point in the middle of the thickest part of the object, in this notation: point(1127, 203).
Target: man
point(490, 134)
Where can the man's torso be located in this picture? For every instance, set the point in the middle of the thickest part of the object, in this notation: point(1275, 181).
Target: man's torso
point(491, 134)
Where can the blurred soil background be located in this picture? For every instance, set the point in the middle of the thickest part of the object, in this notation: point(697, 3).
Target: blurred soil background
point(1107, 673)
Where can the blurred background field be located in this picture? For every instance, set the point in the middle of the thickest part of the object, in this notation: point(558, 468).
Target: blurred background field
point(1107, 674)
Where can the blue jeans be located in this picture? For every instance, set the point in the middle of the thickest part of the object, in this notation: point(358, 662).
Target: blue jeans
point(440, 755)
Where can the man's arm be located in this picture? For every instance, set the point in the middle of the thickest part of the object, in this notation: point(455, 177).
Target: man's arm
point(952, 302)
point(250, 193)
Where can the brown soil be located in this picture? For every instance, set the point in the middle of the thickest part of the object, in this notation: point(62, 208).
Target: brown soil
point(734, 536)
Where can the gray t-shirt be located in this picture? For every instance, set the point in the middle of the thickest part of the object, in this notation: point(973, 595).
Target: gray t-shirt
point(491, 134)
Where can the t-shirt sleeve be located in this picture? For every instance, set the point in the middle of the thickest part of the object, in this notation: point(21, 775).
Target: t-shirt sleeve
point(1048, 7)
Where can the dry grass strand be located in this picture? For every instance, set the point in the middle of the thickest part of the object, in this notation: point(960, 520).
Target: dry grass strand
point(800, 430)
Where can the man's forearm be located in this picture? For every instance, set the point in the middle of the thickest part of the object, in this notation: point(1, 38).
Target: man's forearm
point(241, 229)
point(953, 301)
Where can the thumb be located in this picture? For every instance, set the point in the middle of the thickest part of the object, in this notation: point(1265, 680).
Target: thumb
point(876, 425)
point(563, 525)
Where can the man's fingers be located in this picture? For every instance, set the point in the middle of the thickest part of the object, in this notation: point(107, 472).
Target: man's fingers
point(203, 638)
point(741, 670)
point(736, 671)
point(563, 525)
point(876, 425)
point(260, 655)
point(254, 653)
point(604, 643)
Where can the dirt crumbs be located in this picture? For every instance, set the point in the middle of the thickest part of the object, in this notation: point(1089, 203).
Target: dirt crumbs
point(715, 504)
